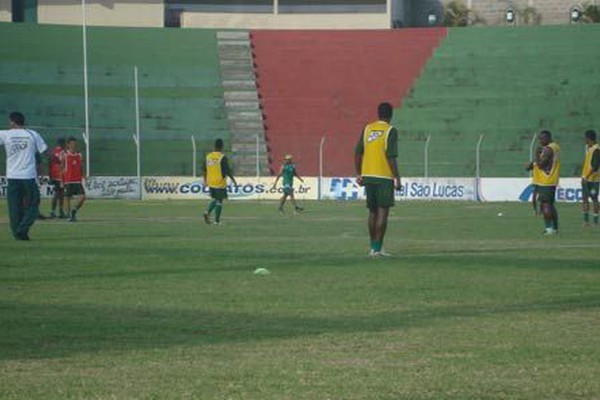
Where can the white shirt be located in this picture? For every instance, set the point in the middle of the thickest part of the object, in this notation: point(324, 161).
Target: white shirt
point(21, 146)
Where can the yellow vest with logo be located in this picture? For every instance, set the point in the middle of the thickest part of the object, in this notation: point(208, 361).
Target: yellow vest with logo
point(375, 162)
point(587, 165)
point(214, 175)
point(551, 178)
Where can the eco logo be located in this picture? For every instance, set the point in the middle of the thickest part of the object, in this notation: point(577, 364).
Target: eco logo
point(527, 193)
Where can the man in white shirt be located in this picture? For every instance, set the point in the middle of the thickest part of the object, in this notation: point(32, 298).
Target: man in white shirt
point(23, 193)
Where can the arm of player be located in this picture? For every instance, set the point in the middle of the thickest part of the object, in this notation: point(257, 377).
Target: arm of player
point(232, 179)
point(394, 167)
point(226, 169)
point(298, 176)
point(358, 157)
point(63, 163)
point(529, 164)
point(595, 164)
point(359, 150)
point(41, 158)
point(545, 160)
point(277, 177)
point(392, 154)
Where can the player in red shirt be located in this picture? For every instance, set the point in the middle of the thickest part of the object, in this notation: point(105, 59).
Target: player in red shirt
point(73, 177)
point(55, 174)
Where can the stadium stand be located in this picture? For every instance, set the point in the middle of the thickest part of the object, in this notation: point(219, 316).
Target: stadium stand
point(179, 86)
point(506, 84)
point(317, 84)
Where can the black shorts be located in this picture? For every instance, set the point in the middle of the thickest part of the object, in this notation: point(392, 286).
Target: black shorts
point(56, 184)
point(218, 194)
point(74, 189)
point(546, 194)
point(590, 190)
point(380, 195)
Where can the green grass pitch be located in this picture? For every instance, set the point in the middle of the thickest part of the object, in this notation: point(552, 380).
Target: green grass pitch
point(143, 300)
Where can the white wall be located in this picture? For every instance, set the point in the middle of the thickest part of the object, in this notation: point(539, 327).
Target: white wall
point(138, 13)
point(5, 10)
point(285, 21)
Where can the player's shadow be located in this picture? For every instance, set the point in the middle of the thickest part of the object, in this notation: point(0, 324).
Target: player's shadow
point(54, 330)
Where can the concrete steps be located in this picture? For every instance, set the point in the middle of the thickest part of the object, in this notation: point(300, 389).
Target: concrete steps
point(242, 104)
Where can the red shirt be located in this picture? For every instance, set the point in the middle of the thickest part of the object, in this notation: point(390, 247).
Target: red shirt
point(73, 173)
point(54, 167)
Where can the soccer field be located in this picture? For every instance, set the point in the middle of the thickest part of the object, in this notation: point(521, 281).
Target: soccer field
point(143, 300)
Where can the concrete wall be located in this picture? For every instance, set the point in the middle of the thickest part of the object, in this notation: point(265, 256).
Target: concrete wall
point(150, 13)
point(5, 10)
point(138, 13)
point(285, 21)
point(358, 20)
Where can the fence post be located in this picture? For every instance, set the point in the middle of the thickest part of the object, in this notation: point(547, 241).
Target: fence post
point(87, 157)
point(426, 161)
point(478, 167)
point(85, 89)
point(319, 182)
point(193, 156)
point(136, 138)
point(531, 151)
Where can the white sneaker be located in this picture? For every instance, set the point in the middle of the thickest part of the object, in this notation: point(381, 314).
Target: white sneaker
point(375, 254)
point(549, 232)
point(384, 253)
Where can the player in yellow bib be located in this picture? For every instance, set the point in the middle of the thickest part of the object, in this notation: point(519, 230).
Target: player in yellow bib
point(376, 168)
point(590, 177)
point(549, 175)
point(216, 171)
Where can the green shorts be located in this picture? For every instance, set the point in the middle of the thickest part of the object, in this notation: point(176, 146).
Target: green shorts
point(74, 189)
point(546, 194)
point(218, 194)
point(380, 195)
point(288, 191)
point(590, 190)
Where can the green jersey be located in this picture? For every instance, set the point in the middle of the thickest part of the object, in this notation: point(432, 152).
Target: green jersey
point(288, 173)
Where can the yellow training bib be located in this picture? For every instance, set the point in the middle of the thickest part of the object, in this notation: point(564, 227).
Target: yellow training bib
point(375, 163)
point(551, 178)
point(214, 174)
point(587, 165)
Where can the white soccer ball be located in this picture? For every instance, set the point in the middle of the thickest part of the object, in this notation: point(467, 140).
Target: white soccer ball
point(500, 214)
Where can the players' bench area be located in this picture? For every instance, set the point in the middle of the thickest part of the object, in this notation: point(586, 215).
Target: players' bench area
point(507, 84)
point(41, 74)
